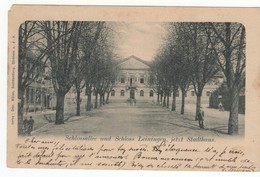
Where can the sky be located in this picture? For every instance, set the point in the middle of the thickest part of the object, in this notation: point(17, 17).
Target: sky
point(141, 39)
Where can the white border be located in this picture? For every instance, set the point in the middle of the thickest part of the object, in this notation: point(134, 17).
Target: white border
point(5, 6)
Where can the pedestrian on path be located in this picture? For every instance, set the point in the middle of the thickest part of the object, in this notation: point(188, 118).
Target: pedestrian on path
point(201, 118)
point(25, 125)
point(30, 125)
point(220, 107)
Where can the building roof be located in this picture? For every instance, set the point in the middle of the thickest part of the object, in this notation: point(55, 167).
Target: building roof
point(136, 58)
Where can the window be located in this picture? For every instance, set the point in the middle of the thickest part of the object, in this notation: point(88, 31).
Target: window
point(141, 93)
point(32, 96)
point(122, 80)
point(122, 93)
point(177, 93)
point(151, 93)
point(192, 93)
point(113, 93)
point(142, 80)
point(38, 97)
point(94, 92)
point(208, 93)
point(27, 95)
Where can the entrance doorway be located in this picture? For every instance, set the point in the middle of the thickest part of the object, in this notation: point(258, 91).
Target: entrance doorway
point(132, 94)
point(131, 81)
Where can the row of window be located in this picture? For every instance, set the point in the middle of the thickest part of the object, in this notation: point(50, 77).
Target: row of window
point(36, 96)
point(192, 93)
point(122, 93)
point(131, 80)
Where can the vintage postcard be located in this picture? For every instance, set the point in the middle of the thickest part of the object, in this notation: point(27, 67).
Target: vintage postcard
point(141, 88)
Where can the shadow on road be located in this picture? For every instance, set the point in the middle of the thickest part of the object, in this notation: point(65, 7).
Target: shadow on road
point(120, 119)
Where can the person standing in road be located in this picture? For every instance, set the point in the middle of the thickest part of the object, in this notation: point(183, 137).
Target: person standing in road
point(30, 125)
point(134, 102)
point(201, 118)
point(220, 107)
point(25, 125)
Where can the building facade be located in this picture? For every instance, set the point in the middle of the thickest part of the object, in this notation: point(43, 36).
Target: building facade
point(40, 95)
point(132, 82)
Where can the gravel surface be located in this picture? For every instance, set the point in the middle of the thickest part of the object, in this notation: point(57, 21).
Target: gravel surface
point(121, 119)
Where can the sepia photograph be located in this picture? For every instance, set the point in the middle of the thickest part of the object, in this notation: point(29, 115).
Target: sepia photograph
point(83, 78)
point(133, 88)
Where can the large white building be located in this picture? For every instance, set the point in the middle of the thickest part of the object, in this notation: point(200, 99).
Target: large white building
point(132, 82)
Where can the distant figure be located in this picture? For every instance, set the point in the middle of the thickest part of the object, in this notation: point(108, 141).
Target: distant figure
point(30, 125)
point(220, 107)
point(134, 101)
point(201, 118)
point(25, 125)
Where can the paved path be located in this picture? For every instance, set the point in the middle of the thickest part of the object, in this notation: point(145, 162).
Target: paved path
point(143, 119)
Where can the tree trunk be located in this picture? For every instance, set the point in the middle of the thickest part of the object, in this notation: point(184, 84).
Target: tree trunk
point(164, 100)
point(161, 94)
point(20, 111)
point(60, 108)
point(89, 106)
point(158, 98)
point(103, 98)
point(174, 102)
point(198, 105)
point(107, 99)
point(78, 103)
point(233, 114)
point(183, 93)
point(168, 102)
point(96, 100)
point(100, 100)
